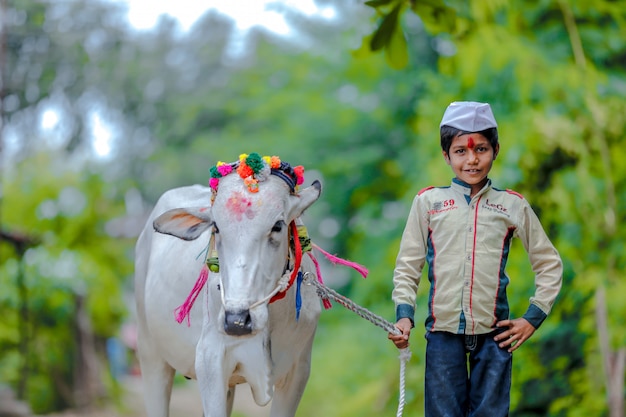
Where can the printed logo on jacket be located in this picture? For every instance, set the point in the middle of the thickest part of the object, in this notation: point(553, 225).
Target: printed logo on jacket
point(496, 208)
point(442, 206)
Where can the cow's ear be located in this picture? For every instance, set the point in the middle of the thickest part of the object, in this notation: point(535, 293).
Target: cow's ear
point(303, 200)
point(184, 223)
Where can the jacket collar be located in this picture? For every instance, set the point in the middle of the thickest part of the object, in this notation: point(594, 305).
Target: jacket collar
point(465, 189)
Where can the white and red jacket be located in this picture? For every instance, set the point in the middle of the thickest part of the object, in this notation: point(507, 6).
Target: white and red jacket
point(465, 242)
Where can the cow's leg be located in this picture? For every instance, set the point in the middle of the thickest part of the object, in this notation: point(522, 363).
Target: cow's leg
point(212, 379)
point(230, 400)
point(289, 389)
point(157, 378)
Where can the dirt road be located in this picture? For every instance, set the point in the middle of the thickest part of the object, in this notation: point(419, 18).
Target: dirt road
point(185, 403)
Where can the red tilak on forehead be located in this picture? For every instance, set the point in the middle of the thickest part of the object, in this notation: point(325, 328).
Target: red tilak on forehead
point(470, 142)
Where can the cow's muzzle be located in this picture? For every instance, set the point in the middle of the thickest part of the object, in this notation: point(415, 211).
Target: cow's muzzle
point(237, 323)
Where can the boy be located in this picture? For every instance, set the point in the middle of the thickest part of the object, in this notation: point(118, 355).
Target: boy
point(463, 231)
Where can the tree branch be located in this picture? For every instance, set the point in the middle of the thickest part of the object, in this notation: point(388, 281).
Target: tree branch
point(574, 36)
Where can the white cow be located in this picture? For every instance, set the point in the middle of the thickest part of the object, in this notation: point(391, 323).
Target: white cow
point(235, 335)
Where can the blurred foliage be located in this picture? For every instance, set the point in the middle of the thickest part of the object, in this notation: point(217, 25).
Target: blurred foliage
point(364, 122)
point(74, 258)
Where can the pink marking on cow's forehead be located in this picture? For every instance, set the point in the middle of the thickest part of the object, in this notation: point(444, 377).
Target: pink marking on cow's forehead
point(239, 205)
point(470, 142)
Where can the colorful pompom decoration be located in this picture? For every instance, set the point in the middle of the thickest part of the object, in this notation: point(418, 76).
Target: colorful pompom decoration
point(299, 170)
point(253, 169)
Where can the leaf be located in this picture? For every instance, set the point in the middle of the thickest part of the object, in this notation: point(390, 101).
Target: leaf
point(436, 15)
point(377, 3)
point(384, 33)
point(396, 52)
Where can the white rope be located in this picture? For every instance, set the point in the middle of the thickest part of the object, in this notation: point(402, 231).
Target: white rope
point(282, 285)
point(405, 354)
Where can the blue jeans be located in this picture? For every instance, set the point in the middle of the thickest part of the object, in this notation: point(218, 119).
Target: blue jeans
point(466, 376)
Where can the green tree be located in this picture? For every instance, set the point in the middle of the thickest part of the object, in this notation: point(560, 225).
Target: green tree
point(75, 272)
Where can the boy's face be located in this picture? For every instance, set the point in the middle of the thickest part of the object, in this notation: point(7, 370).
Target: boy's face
point(471, 157)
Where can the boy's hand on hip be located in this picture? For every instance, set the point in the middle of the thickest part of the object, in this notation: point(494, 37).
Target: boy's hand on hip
point(401, 340)
point(520, 330)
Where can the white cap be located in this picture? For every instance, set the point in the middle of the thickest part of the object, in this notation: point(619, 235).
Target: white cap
point(469, 116)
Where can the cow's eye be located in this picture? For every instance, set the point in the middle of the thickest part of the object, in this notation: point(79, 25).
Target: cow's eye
point(215, 228)
point(278, 226)
point(274, 239)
